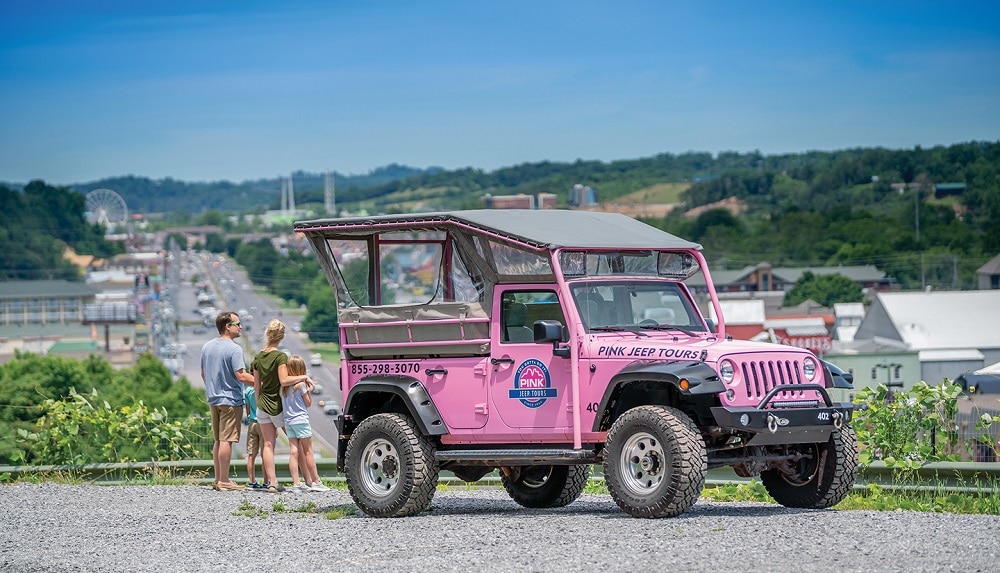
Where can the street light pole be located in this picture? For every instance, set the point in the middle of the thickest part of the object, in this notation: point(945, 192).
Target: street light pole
point(889, 384)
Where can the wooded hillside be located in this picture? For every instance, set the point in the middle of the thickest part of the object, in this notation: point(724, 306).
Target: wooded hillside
point(888, 208)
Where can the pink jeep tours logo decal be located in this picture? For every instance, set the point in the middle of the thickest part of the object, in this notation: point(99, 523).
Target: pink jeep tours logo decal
point(532, 385)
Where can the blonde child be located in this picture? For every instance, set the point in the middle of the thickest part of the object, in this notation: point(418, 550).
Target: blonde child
point(296, 400)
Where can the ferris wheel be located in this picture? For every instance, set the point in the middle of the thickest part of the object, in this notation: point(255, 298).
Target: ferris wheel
point(105, 207)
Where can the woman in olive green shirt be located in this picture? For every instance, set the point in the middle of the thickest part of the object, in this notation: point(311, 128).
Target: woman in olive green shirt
point(270, 373)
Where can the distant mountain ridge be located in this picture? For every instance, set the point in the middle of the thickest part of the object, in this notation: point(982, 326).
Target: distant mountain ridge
point(812, 180)
point(925, 216)
point(145, 195)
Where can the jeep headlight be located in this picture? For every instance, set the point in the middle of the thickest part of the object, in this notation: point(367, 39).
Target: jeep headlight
point(727, 370)
point(809, 368)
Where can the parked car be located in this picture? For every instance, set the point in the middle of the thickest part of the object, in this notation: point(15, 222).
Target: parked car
point(330, 406)
point(973, 383)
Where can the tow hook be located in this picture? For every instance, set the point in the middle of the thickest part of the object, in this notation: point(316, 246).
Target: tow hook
point(772, 423)
point(838, 419)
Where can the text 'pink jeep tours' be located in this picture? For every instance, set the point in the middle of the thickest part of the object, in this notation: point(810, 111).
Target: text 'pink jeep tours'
point(541, 342)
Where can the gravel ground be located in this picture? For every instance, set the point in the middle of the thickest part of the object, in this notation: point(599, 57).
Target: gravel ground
point(64, 528)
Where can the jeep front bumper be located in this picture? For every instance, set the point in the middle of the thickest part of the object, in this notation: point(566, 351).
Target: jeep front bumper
point(772, 422)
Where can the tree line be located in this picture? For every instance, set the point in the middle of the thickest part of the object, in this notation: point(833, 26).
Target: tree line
point(849, 213)
point(36, 226)
point(799, 209)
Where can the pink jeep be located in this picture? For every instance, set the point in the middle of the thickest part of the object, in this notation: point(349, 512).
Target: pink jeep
point(538, 343)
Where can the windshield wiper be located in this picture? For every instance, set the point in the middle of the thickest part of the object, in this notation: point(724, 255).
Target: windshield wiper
point(617, 329)
point(668, 327)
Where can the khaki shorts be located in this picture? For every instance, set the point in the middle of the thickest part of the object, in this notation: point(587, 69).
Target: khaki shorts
point(226, 423)
point(255, 443)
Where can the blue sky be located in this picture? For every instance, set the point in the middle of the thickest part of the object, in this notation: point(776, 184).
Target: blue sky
point(236, 90)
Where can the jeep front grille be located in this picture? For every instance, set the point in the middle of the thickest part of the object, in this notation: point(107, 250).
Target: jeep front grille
point(760, 376)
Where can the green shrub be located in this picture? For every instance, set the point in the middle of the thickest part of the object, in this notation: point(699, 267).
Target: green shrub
point(79, 430)
point(912, 427)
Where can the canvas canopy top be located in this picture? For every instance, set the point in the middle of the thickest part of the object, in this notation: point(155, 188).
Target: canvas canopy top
point(542, 229)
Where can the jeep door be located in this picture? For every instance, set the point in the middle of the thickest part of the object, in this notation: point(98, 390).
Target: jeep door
point(530, 387)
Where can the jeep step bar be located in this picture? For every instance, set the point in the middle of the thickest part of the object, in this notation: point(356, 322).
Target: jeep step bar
point(520, 457)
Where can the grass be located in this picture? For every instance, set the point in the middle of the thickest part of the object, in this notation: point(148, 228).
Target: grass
point(596, 487)
point(339, 511)
point(143, 476)
point(247, 509)
point(984, 499)
point(61, 477)
point(330, 351)
point(655, 194)
point(977, 497)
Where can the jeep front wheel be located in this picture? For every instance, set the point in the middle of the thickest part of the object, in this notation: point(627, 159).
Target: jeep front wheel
point(655, 462)
point(391, 468)
point(545, 486)
point(821, 478)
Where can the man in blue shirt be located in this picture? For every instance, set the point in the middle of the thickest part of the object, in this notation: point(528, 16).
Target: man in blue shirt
point(224, 373)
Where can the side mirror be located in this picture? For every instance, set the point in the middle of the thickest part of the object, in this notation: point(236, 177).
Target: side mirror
point(552, 331)
point(712, 327)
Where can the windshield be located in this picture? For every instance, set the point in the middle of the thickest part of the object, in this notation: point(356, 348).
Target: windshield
point(654, 305)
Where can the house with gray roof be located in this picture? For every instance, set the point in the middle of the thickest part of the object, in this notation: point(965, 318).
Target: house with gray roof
point(951, 332)
point(762, 277)
point(989, 274)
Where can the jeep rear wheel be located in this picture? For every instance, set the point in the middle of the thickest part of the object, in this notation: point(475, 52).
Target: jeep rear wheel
point(655, 462)
point(821, 478)
point(391, 468)
point(545, 486)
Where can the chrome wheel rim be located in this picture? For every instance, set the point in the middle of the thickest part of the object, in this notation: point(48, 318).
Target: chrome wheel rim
point(642, 463)
point(379, 467)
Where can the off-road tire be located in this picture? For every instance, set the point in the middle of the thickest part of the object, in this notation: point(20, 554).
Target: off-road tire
point(821, 480)
point(391, 467)
point(655, 462)
point(546, 486)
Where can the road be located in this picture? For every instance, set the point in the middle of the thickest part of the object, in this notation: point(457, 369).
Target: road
point(235, 292)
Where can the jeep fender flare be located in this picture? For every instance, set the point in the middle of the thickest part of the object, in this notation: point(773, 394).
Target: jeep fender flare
point(408, 389)
point(702, 379)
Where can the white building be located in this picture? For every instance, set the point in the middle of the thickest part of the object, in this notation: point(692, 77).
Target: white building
point(952, 332)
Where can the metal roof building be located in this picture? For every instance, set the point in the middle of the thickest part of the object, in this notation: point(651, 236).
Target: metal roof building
point(989, 274)
point(953, 331)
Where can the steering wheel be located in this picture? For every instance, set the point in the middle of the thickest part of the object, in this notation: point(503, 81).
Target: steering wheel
point(648, 322)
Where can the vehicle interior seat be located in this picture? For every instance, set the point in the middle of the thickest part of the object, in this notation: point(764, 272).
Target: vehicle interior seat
point(514, 326)
point(594, 308)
